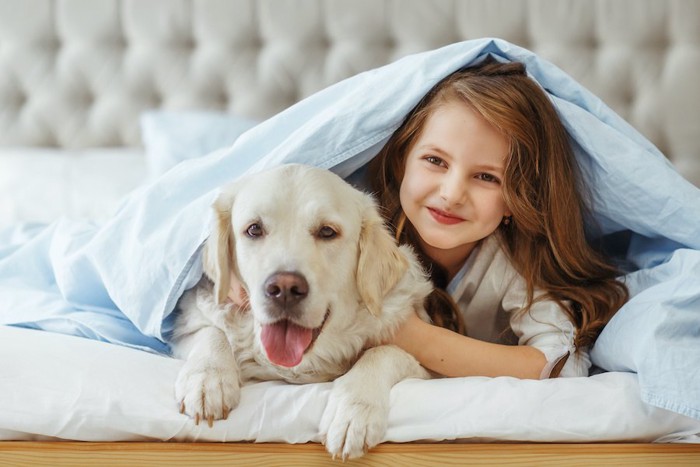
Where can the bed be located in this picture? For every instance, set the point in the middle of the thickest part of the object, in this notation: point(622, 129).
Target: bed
point(98, 99)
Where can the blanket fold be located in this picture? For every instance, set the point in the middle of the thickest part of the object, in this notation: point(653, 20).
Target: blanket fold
point(119, 281)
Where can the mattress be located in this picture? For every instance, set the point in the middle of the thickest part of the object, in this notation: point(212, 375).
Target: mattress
point(60, 387)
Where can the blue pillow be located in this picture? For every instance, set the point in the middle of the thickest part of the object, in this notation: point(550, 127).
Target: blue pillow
point(170, 137)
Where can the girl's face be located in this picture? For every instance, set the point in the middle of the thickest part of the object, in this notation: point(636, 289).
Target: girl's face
point(452, 186)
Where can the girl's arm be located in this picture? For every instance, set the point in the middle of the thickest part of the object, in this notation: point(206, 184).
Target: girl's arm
point(451, 354)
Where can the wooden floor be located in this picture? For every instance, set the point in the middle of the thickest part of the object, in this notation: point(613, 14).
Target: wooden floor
point(58, 454)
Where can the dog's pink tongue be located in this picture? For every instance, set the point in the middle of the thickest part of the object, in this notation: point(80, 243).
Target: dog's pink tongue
point(285, 342)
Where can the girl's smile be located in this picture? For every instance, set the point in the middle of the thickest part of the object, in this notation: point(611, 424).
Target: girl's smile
point(443, 217)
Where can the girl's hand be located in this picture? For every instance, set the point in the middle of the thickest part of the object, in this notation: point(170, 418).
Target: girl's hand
point(237, 293)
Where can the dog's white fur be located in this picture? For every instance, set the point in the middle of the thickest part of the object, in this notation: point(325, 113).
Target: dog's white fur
point(361, 286)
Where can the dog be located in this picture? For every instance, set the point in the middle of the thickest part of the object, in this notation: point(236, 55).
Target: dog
point(326, 285)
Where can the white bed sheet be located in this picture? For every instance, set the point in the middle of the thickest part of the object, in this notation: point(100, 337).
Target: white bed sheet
point(56, 386)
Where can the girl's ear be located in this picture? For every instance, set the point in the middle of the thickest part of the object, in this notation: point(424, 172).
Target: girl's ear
point(219, 249)
point(380, 265)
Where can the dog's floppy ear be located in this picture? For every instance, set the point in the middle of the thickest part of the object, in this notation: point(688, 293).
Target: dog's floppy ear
point(219, 249)
point(381, 264)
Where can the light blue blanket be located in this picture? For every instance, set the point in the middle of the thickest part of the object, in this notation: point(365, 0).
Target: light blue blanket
point(119, 281)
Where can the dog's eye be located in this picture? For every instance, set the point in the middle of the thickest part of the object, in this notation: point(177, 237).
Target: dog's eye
point(254, 231)
point(326, 233)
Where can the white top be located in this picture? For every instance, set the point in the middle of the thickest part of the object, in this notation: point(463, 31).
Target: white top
point(489, 292)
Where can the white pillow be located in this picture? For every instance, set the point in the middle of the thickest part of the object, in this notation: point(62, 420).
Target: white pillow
point(45, 184)
point(171, 137)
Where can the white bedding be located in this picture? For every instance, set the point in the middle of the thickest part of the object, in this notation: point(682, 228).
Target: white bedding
point(44, 184)
point(62, 387)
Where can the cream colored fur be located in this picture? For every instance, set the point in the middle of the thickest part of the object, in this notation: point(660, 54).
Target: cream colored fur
point(361, 286)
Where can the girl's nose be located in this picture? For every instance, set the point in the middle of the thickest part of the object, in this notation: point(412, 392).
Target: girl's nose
point(453, 190)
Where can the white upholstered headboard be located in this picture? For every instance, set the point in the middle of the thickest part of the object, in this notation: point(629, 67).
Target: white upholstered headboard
point(78, 73)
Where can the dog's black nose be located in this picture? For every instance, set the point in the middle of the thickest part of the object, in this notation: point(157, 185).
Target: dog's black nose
point(286, 288)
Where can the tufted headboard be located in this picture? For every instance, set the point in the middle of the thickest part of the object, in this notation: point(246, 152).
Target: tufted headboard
point(78, 73)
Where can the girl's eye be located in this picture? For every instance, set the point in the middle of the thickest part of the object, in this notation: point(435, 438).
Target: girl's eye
point(488, 178)
point(254, 230)
point(435, 160)
point(326, 233)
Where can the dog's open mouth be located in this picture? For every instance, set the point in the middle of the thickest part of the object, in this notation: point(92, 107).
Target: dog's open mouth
point(286, 342)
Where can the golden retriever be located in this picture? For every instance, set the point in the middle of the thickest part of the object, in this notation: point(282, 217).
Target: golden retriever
point(326, 285)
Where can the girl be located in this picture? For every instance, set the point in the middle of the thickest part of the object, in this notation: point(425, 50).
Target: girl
point(481, 180)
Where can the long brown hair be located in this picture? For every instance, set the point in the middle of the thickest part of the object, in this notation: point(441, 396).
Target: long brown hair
point(545, 239)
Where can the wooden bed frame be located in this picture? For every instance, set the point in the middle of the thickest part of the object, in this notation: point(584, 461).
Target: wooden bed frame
point(57, 454)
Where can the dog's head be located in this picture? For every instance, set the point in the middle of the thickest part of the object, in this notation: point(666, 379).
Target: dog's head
point(310, 250)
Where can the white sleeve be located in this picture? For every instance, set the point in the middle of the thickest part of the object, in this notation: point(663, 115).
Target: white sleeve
point(547, 328)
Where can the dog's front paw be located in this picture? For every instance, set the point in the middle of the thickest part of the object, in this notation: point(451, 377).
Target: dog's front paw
point(207, 392)
point(354, 422)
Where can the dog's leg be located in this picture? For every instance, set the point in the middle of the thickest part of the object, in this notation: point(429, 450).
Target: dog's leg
point(208, 385)
point(358, 407)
